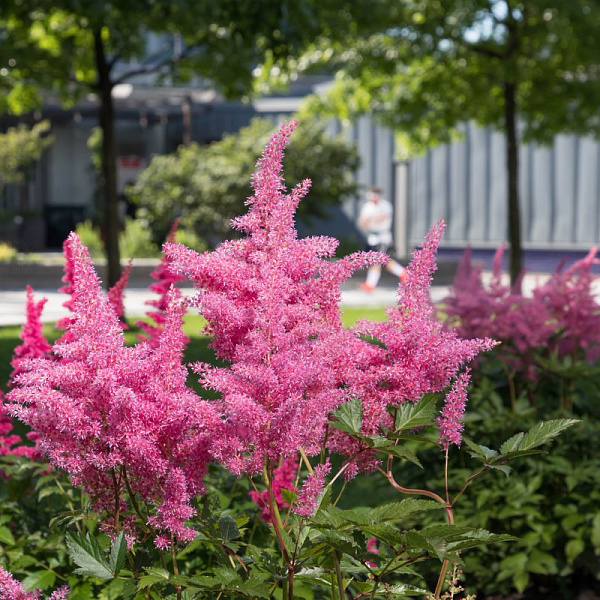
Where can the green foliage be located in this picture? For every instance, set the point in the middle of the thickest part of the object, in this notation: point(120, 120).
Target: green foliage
point(19, 147)
point(550, 501)
point(90, 237)
point(207, 185)
point(134, 241)
point(427, 67)
point(7, 253)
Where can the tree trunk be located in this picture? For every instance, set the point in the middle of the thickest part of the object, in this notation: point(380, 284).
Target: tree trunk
point(512, 170)
point(110, 209)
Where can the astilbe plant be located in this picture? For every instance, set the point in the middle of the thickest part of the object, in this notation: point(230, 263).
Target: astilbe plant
point(271, 301)
point(294, 385)
point(119, 419)
point(34, 345)
point(11, 589)
point(561, 317)
point(415, 355)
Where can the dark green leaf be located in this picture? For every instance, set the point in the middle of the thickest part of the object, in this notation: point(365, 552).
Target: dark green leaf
point(87, 555)
point(118, 552)
point(228, 528)
point(348, 417)
point(420, 414)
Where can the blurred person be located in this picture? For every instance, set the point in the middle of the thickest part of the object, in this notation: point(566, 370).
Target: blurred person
point(375, 220)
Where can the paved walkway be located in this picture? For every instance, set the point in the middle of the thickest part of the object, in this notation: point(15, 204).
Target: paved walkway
point(12, 302)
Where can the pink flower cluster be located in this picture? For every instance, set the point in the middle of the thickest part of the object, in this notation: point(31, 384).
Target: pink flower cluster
point(11, 589)
point(561, 315)
point(116, 294)
point(308, 495)
point(123, 423)
point(284, 478)
point(271, 301)
point(34, 343)
point(119, 419)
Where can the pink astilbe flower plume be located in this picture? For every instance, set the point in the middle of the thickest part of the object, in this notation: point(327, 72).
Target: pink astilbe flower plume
point(568, 300)
point(308, 496)
point(271, 301)
point(34, 343)
point(562, 315)
point(284, 478)
point(118, 417)
point(67, 279)
point(450, 421)
point(415, 355)
point(11, 589)
point(165, 278)
point(116, 294)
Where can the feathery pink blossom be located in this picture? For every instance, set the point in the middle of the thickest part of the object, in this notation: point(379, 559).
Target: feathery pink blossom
point(67, 279)
point(34, 343)
point(10, 444)
point(271, 302)
point(562, 315)
point(450, 420)
point(115, 416)
point(11, 589)
point(309, 493)
point(415, 355)
point(284, 478)
point(165, 278)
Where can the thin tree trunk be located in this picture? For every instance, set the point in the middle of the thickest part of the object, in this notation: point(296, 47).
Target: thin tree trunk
point(512, 169)
point(110, 225)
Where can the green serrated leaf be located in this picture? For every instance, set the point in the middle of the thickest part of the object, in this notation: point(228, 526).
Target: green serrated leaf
point(228, 528)
point(538, 435)
point(512, 444)
point(87, 555)
point(153, 576)
point(396, 511)
point(348, 417)
point(6, 536)
point(419, 414)
point(504, 468)
point(39, 580)
point(118, 552)
point(477, 451)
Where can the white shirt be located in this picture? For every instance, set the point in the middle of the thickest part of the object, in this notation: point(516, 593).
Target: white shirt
point(376, 221)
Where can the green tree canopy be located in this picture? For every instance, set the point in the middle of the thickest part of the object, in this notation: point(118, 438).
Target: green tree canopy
point(207, 185)
point(529, 69)
point(19, 147)
point(82, 46)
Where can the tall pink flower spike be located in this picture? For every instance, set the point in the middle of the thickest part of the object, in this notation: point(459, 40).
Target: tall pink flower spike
point(271, 301)
point(115, 416)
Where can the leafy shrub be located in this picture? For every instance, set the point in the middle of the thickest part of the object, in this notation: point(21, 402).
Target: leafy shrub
point(206, 186)
point(7, 253)
point(91, 238)
point(135, 241)
point(546, 367)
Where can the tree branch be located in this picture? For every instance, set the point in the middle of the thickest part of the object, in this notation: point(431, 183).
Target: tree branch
point(147, 69)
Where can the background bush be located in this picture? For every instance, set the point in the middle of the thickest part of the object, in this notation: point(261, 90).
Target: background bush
point(207, 185)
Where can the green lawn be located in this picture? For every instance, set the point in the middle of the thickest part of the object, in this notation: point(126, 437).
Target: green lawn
point(197, 350)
